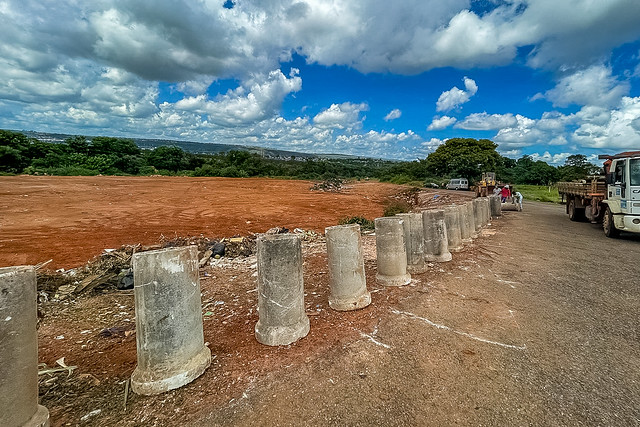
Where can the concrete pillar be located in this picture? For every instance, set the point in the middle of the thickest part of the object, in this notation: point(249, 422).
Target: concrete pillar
point(391, 252)
point(169, 336)
point(452, 221)
point(283, 319)
point(465, 231)
point(347, 279)
point(414, 242)
point(19, 350)
point(496, 206)
point(436, 245)
point(471, 219)
point(486, 206)
point(477, 214)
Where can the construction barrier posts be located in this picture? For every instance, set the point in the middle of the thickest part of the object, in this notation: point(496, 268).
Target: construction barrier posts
point(465, 231)
point(347, 279)
point(19, 350)
point(486, 211)
point(471, 219)
point(414, 242)
point(391, 253)
point(477, 214)
point(436, 245)
point(280, 290)
point(496, 206)
point(169, 335)
point(452, 221)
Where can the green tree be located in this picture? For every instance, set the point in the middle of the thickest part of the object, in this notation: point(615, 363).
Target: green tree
point(167, 157)
point(78, 144)
point(577, 167)
point(463, 157)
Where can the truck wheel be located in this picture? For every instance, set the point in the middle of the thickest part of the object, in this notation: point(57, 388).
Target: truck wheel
point(575, 214)
point(608, 225)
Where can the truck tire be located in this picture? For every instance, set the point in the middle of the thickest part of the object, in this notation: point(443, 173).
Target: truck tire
point(608, 224)
point(575, 214)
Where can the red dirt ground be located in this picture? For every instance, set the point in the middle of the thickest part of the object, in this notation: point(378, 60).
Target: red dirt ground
point(72, 219)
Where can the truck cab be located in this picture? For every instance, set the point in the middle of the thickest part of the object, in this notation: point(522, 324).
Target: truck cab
point(623, 195)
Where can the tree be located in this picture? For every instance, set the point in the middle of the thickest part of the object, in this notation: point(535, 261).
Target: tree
point(464, 157)
point(78, 144)
point(577, 167)
point(167, 157)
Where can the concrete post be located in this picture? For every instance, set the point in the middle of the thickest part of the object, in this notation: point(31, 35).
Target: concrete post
point(486, 206)
point(347, 279)
point(465, 231)
point(283, 319)
point(452, 221)
point(496, 206)
point(414, 242)
point(169, 335)
point(436, 245)
point(391, 252)
point(477, 214)
point(471, 219)
point(19, 350)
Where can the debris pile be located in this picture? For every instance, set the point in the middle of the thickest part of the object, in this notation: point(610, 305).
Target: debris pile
point(333, 185)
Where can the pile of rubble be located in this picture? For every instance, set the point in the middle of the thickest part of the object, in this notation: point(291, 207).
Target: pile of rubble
point(333, 185)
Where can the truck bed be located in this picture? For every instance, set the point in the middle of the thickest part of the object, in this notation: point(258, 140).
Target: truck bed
point(594, 188)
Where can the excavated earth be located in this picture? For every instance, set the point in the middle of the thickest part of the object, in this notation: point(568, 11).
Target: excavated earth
point(533, 323)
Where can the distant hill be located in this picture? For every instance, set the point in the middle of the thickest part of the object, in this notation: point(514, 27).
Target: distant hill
point(197, 147)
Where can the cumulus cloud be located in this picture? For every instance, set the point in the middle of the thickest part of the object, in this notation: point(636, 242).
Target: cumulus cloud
point(341, 116)
point(455, 97)
point(484, 121)
point(443, 122)
point(393, 114)
point(592, 86)
point(553, 159)
point(621, 130)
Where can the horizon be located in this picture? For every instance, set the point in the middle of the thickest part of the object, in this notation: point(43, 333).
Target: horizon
point(538, 78)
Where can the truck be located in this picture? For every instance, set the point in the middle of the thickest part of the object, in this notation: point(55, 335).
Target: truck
point(612, 199)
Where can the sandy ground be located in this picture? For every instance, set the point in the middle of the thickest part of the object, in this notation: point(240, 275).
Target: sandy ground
point(534, 323)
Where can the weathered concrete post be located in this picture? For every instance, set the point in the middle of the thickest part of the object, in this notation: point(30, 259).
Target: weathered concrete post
point(487, 210)
point(283, 319)
point(477, 214)
point(452, 221)
point(169, 335)
point(496, 206)
point(19, 350)
point(436, 245)
point(414, 242)
point(391, 253)
point(465, 231)
point(347, 279)
point(471, 219)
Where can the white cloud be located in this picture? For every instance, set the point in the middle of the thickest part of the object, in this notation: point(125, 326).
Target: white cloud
point(393, 114)
point(341, 116)
point(455, 97)
point(620, 131)
point(592, 86)
point(484, 121)
point(553, 159)
point(443, 122)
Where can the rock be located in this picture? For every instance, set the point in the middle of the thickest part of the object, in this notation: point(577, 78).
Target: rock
point(125, 279)
point(218, 249)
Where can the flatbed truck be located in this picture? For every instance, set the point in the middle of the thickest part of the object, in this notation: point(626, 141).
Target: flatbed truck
point(612, 199)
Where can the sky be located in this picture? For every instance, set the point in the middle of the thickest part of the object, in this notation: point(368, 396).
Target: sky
point(393, 80)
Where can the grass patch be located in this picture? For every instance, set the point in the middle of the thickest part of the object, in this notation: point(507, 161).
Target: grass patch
point(539, 193)
point(365, 224)
point(396, 207)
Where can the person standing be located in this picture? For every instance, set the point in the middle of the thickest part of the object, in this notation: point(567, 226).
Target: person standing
point(506, 193)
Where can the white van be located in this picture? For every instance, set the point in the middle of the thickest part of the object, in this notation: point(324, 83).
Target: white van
point(458, 184)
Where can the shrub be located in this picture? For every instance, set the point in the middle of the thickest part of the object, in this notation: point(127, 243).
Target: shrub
point(365, 224)
point(396, 207)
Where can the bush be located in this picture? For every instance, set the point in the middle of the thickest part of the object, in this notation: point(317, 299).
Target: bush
point(396, 207)
point(365, 224)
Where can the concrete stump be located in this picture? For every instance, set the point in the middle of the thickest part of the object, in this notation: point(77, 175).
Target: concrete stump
point(486, 207)
point(19, 350)
point(436, 245)
point(347, 279)
point(169, 336)
point(391, 253)
point(496, 206)
point(465, 230)
point(452, 221)
point(280, 290)
point(477, 214)
point(414, 242)
point(471, 219)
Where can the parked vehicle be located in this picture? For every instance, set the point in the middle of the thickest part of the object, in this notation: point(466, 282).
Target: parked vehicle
point(613, 199)
point(458, 184)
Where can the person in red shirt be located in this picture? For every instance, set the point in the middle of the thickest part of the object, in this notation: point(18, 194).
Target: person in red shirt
point(505, 193)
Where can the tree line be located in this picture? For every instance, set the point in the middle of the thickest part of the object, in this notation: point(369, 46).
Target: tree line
point(457, 157)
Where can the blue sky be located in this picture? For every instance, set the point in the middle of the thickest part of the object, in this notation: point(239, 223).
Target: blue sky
point(547, 78)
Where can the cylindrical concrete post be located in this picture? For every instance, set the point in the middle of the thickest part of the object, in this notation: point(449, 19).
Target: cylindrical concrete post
point(452, 221)
point(283, 319)
point(486, 207)
point(471, 219)
point(169, 335)
point(414, 242)
point(347, 279)
point(436, 245)
point(391, 252)
point(465, 231)
point(496, 206)
point(19, 350)
point(477, 214)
